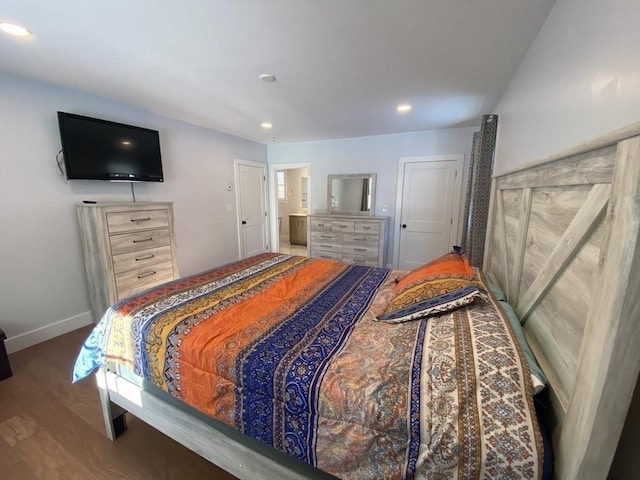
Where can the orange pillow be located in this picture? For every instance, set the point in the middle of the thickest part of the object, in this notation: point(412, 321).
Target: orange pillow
point(453, 265)
point(447, 283)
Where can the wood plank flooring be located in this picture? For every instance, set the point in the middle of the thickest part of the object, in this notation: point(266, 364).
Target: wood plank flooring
point(51, 429)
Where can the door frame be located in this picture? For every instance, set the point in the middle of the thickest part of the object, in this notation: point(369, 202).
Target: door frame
point(457, 196)
point(236, 163)
point(273, 198)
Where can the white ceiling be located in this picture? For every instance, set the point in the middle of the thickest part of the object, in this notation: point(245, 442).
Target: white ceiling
point(342, 66)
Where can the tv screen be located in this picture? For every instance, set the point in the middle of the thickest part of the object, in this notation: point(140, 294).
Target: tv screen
point(97, 149)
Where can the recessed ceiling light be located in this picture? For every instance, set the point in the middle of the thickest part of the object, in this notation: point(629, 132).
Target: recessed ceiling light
point(267, 77)
point(14, 29)
point(403, 108)
point(266, 125)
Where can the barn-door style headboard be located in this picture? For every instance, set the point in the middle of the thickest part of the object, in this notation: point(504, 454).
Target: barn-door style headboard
point(563, 244)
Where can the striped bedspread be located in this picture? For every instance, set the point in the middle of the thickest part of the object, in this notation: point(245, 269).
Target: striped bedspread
point(287, 350)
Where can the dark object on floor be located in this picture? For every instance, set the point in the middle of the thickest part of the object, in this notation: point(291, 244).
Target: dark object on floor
point(5, 368)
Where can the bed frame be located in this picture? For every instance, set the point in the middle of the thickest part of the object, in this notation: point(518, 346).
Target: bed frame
point(563, 243)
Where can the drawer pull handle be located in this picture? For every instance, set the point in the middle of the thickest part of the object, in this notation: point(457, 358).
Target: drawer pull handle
point(366, 228)
point(143, 240)
point(326, 246)
point(342, 226)
point(146, 219)
point(325, 236)
point(321, 224)
point(359, 249)
point(146, 257)
point(360, 239)
point(147, 274)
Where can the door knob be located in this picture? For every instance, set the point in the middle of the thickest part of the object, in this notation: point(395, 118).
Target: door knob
point(244, 222)
point(404, 225)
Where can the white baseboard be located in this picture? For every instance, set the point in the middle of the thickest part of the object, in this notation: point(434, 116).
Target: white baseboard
point(42, 334)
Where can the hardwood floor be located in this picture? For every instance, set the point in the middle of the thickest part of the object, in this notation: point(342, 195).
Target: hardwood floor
point(52, 429)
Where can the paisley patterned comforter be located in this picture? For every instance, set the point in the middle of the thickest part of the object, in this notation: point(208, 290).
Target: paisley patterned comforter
point(287, 350)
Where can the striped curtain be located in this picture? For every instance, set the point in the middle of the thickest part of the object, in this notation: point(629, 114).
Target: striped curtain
point(476, 211)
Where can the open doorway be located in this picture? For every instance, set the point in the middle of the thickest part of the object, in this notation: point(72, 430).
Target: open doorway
point(290, 198)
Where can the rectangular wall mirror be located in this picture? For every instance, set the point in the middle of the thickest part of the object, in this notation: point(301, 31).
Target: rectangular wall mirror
point(352, 194)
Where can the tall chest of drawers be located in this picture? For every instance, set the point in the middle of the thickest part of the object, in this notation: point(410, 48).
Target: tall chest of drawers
point(128, 247)
point(349, 239)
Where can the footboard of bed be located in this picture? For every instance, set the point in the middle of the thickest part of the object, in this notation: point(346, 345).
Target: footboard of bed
point(239, 455)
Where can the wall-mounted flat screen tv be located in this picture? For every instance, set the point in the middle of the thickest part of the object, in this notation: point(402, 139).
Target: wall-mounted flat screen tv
point(97, 149)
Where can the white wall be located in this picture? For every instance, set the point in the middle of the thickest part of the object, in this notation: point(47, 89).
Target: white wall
point(376, 154)
point(579, 80)
point(43, 289)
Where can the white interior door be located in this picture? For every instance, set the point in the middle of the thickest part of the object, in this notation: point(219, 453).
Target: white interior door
point(251, 198)
point(428, 203)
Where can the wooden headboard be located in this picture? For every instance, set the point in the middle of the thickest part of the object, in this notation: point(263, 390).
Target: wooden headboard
point(563, 244)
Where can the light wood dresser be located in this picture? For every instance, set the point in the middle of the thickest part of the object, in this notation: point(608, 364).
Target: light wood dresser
point(128, 247)
point(350, 239)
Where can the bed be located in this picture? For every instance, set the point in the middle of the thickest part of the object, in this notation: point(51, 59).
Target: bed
point(562, 246)
point(305, 356)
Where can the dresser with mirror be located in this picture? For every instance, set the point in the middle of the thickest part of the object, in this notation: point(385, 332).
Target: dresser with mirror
point(349, 231)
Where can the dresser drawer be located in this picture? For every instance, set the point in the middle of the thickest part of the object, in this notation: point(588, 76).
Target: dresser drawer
point(360, 240)
point(367, 227)
point(135, 281)
point(327, 246)
point(143, 258)
point(343, 226)
point(133, 242)
point(360, 251)
point(321, 224)
point(326, 237)
point(118, 222)
point(326, 255)
point(357, 260)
